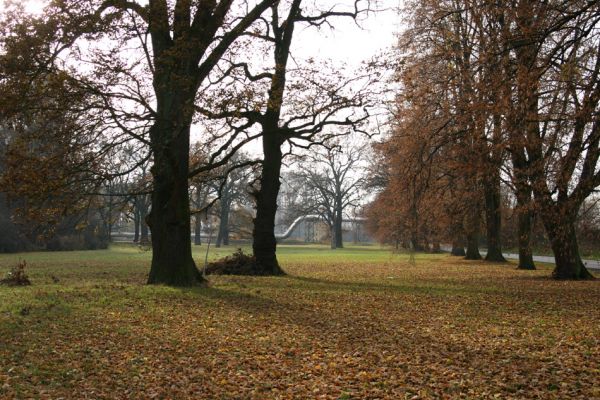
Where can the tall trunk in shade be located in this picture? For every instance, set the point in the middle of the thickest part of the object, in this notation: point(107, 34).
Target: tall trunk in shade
point(264, 244)
point(472, 228)
point(524, 216)
point(337, 226)
point(560, 227)
point(493, 217)
point(169, 220)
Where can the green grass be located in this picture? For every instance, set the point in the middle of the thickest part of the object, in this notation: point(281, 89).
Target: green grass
point(356, 323)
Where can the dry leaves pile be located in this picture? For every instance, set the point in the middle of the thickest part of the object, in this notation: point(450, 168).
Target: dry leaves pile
point(437, 329)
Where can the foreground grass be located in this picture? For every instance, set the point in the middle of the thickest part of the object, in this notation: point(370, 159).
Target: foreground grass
point(352, 324)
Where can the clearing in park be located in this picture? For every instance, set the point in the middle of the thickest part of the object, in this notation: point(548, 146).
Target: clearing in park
point(358, 323)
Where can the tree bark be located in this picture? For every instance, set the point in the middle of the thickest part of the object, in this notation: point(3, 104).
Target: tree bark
point(264, 244)
point(560, 227)
point(472, 233)
point(169, 220)
point(223, 234)
point(524, 216)
point(493, 215)
point(337, 228)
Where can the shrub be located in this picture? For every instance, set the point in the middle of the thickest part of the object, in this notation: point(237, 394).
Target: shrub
point(17, 276)
point(239, 263)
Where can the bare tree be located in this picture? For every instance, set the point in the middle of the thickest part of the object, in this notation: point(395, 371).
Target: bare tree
point(335, 176)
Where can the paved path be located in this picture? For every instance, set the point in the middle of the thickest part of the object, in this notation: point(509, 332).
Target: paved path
point(589, 264)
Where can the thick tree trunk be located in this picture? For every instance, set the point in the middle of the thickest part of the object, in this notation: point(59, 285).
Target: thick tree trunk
point(264, 244)
point(524, 216)
point(560, 227)
point(169, 220)
point(493, 217)
point(337, 228)
point(472, 232)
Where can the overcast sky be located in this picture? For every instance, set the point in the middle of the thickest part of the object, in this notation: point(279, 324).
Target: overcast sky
point(346, 43)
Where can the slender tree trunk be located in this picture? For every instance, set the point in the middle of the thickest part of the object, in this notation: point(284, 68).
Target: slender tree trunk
point(109, 220)
point(414, 232)
point(197, 230)
point(472, 233)
point(198, 218)
point(332, 234)
point(223, 234)
point(264, 244)
point(524, 216)
point(493, 215)
point(560, 226)
point(136, 223)
point(144, 237)
point(169, 220)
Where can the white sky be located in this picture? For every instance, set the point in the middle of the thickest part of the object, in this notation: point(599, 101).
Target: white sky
point(346, 43)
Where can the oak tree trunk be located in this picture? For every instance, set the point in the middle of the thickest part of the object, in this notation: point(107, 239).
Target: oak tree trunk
point(264, 244)
point(169, 220)
point(560, 227)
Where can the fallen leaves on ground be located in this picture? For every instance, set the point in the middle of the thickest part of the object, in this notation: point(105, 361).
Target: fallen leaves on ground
point(440, 329)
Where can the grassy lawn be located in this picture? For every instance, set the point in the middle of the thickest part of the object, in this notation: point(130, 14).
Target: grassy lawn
point(358, 323)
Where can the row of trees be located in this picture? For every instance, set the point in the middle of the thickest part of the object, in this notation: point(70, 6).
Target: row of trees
point(494, 94)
